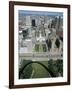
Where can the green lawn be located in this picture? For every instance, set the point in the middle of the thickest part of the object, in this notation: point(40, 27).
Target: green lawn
point(40, 48)
point(36, 70)
point(39, 71)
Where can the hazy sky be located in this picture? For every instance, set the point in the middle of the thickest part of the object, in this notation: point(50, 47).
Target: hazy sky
point(24, 12)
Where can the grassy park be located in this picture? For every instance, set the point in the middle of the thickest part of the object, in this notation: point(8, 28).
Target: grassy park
point(32, 69)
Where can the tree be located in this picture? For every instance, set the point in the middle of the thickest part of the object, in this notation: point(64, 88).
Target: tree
point(56, 66)
point(25, 33)
point(49, 44)
point(26, 73)
point(57, 42)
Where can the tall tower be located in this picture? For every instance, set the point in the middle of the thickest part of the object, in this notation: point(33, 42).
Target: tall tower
point(28, 21)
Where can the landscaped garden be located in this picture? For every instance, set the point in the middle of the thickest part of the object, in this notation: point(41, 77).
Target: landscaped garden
point(40, 48)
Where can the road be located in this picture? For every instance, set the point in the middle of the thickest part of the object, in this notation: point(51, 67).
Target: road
point(40, 56)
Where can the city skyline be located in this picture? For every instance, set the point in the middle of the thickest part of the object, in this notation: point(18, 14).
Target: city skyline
point(40, 13)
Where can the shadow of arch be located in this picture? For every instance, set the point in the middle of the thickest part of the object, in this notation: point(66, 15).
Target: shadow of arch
point(50, 72)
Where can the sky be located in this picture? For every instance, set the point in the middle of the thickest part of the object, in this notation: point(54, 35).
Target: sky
point(25, 12)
